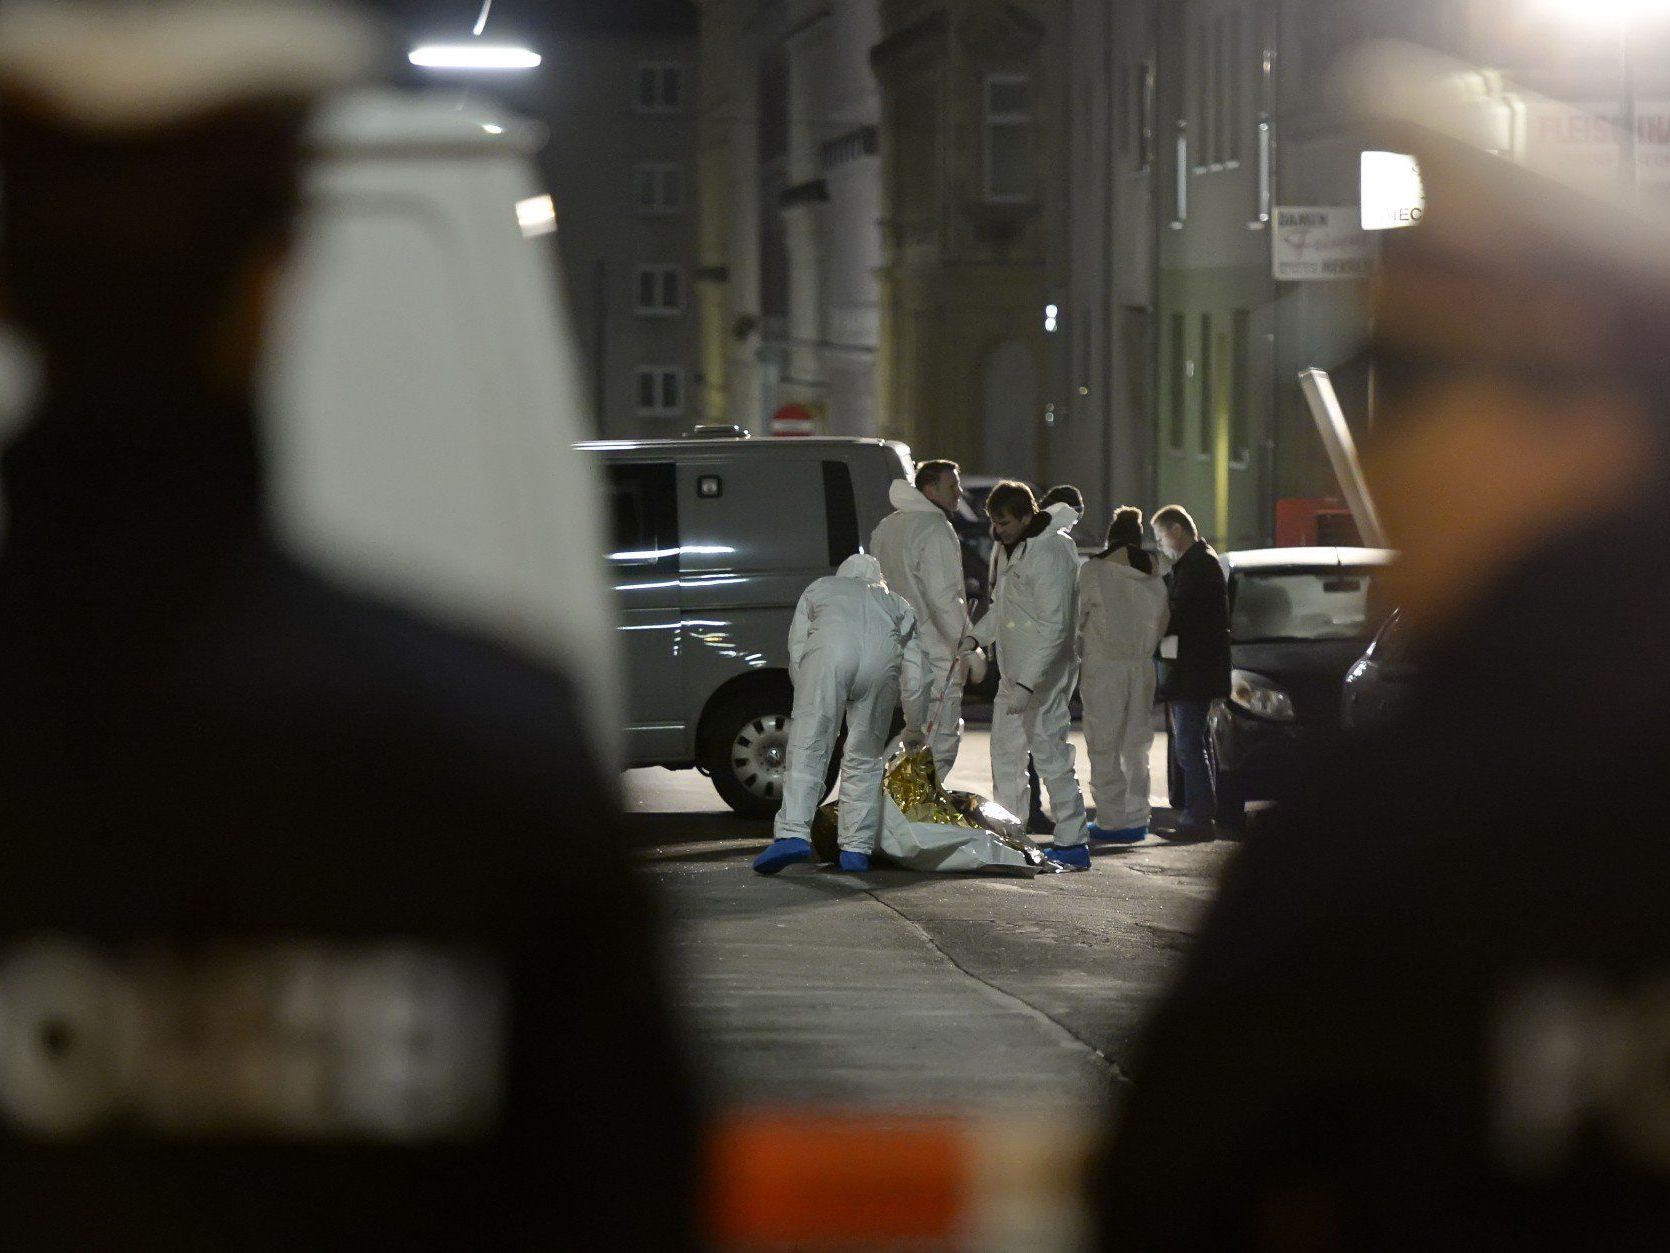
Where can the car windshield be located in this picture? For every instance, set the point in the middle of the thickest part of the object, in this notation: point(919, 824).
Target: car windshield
point(1301, 605)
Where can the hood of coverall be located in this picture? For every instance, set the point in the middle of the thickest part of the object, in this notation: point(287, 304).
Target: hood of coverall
point(1063, 516)
point(906, 496)
point(863, 567)
point(1162, 567)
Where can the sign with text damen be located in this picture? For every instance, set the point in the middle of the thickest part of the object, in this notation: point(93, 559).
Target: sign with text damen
point(1319, 243)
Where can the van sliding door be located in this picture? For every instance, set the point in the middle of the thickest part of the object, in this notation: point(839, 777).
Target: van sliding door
point(643, 563)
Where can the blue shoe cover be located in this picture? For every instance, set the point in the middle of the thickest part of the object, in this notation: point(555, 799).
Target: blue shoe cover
point(1125, 835)
point(1075, 855)
point(854, 863)
point(781, 853)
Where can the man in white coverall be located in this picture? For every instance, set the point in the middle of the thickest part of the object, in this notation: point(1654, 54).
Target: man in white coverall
point(1123, 611)
point(922, 561)
point(853, 648)
point(1065, 505)
point(1033, 622)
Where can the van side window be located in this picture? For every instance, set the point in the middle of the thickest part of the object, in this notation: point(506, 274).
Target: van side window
point(642, 509)
point(766, 521)
point(841, 511)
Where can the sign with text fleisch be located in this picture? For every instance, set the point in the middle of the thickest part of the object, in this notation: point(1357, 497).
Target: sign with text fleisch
point(1320, 243)
point(1583, 143)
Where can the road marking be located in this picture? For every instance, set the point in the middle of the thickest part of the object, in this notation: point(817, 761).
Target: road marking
point(1059, 1029)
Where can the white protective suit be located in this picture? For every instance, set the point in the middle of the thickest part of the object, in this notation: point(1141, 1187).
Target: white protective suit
point(922, 561)
point(852, 649)
point(1033, 622)
point(1066, 518)
point(1122, 616)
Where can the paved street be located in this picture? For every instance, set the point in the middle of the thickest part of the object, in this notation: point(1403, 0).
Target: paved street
point(890, 989)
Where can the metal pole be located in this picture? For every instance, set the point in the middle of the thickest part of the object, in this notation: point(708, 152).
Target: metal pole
point(600, 363)
point(1271, 72)
point(1631, 174)
point(1342, 453)
point(1156, 42)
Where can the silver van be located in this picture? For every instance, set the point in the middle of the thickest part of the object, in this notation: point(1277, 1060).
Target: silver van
point(713, 542)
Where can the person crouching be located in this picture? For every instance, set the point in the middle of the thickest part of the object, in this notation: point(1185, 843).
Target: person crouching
point(853, 649)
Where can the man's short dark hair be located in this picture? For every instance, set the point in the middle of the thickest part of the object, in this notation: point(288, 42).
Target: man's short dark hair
point(1126, 527)
point(1063, 494)
point(930, 472)
point(1012, 498)
point(1176, 515)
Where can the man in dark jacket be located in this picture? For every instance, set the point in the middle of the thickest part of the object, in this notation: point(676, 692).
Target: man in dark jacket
point(1200, 673)
point(316, 925)
point(1430, 1009)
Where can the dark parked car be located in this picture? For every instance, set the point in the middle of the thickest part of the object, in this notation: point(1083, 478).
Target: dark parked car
point(1299, 618)
point(1377, 685)
point(974, 536)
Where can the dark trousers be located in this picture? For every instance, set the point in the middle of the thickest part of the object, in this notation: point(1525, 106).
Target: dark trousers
point(1188, 731)
point(1037, 821)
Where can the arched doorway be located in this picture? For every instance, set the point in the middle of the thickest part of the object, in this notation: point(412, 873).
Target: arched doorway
point(1009, 400)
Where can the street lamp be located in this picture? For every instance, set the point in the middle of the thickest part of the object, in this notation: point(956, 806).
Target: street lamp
point(473, 57)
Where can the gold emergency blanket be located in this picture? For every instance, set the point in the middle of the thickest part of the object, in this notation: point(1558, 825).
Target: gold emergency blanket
point(929, 829)
point(915, 790)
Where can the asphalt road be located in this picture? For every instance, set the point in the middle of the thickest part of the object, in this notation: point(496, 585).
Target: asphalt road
point(973, 995)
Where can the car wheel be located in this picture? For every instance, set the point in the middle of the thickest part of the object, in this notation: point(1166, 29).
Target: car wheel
point(745, 747)
point(1228, 789)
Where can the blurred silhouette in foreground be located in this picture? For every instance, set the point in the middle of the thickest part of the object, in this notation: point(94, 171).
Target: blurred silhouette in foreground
point(316, 924)
point(1431, 1007)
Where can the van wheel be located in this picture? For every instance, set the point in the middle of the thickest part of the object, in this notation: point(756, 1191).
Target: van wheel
point(744, 748)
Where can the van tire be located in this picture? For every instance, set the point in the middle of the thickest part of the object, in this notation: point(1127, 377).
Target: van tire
point(742, 740)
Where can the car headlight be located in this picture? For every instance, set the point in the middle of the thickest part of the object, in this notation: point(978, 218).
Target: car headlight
point(1259, 696)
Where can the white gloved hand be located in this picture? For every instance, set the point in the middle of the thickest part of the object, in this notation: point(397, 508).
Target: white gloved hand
point(968, 644)
point(1020, 698)
point(976, 663)
point(913, 741)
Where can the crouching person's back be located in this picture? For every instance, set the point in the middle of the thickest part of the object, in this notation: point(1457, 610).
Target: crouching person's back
point(854, 656)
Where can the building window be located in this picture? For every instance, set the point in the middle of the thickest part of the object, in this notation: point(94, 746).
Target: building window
point(1219, 91)
point(1205, 62)
point(660, 87)
point(660, 290)
point(1009, 139)
point(1178, 382)
point(1242, 399)
point(658, 188)
point(862, 142)
point(1234, 86)
point(660, 391)
point(1124, 103)
point(1208, 395)
point(1140, 137)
